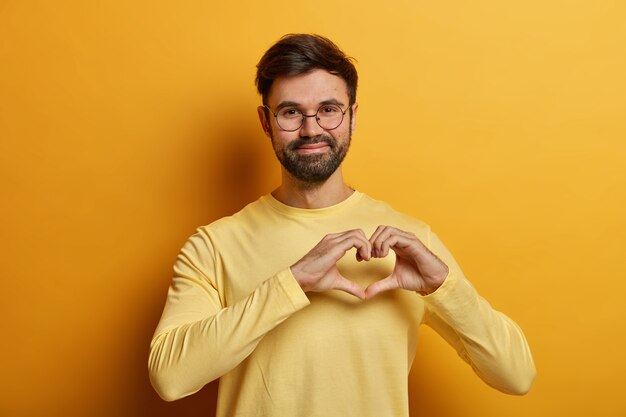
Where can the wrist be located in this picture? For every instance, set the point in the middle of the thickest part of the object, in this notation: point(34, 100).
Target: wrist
point(435, 282)
point(299, 276)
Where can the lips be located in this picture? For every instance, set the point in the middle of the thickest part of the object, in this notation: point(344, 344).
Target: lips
point(312, 145)
point(313, 148)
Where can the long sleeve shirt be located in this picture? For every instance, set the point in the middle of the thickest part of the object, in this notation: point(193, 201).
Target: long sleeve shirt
point(234, 311)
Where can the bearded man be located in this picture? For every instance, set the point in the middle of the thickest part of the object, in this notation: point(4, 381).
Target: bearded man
point(267, 301)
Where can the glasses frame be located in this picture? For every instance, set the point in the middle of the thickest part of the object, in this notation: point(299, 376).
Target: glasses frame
point(317, 119)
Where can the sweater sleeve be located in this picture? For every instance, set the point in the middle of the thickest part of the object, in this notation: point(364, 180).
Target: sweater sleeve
point(490, 342)
point(198, 339)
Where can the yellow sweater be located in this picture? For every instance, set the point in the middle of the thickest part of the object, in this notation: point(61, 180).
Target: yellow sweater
point(235, 312)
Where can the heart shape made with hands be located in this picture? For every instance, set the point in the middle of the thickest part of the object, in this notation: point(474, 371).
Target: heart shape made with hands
point(416, 267)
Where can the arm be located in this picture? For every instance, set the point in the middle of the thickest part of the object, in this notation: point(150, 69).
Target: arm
point(198, 339)
point(490, 342)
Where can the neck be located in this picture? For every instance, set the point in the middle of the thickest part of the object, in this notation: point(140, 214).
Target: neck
point(296, 193)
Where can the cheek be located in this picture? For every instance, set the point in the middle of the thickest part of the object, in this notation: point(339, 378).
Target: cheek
point(344, 134)
point(280, 140)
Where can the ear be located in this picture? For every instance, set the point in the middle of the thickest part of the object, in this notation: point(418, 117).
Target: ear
point(355, 107)
point(265, 124)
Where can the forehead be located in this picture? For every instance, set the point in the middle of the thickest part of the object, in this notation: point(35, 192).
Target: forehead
point(309, 89)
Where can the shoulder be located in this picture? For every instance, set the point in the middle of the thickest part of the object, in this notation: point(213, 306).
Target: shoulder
point(224, 229)
point(245, 218)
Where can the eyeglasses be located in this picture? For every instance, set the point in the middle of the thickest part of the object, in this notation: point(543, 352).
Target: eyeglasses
point(290, 119)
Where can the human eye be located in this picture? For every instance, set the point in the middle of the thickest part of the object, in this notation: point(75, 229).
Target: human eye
point(290, 113)
point(329, 110)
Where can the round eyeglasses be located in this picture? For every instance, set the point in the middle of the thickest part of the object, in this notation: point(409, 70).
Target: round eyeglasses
point(290, 119)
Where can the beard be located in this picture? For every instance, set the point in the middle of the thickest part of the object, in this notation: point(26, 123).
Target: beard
point(312, 168)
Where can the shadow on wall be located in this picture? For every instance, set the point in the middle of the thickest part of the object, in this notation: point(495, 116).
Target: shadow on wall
point(224, 163)
point(231, 179)
point(224, 169)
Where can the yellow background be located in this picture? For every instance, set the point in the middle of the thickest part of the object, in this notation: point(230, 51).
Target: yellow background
point(126, 124)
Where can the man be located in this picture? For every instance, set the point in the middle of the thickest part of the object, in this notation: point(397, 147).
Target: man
point(270, 301)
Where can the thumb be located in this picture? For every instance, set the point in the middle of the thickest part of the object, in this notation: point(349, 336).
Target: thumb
point(385, 284)
point(343, 284)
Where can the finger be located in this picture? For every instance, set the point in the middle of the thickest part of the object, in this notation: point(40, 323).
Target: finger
point(357, 240)
point(396, 239)
point(345, 242)
point(427, 262)
point(392, 240)
point(383, 285)
point(394, 231)
point(379, 249)
point(338, 234)
point(381, 234)
point(377, 232)
point(339, 249)
point(409, 246)
point(429, 266)
point(350, 287)
point(375, 240)
point(363, 253)
point(348, 233)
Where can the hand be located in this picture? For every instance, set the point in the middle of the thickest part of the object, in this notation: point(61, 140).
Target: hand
point(417, 268)
point(317, 270)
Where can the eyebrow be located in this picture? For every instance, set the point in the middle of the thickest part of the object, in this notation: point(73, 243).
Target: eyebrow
point(284, 104)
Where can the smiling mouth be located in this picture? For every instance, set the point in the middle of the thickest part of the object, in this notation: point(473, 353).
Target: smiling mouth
point(313, 148)
point(314, 145)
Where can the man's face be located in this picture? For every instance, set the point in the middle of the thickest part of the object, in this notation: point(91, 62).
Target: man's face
point(311, 154)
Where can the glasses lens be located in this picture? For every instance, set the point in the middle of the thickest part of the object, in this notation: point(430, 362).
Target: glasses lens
point(289, 119)
point(329, 117)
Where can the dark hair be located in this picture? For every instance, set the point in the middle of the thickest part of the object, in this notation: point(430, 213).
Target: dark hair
point(297, 54)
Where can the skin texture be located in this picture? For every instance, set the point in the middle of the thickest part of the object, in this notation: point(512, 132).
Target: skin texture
point(309, 91)
point(315, 149)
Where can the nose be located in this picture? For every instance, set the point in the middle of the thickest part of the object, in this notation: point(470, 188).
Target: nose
point(310, 127)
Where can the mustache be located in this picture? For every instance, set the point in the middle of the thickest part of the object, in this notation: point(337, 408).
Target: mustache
point(312, 140)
